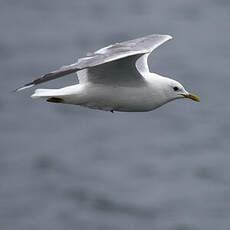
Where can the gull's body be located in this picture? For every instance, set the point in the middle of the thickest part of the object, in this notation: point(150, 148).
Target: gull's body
point(115, 78)
point(139, 98)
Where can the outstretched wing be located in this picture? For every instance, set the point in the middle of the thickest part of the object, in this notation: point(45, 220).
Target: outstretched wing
point(136, 47)
point(64, 70)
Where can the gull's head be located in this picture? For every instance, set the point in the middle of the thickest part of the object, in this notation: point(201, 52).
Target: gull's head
point(174, 90)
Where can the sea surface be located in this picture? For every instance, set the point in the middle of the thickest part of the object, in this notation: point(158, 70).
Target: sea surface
point(68, 167)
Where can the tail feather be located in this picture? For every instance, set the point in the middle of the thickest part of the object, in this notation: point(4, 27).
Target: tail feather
point(45, 93)
point(68, 95)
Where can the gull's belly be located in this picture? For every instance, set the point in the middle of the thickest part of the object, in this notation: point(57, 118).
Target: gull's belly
point(127, 99)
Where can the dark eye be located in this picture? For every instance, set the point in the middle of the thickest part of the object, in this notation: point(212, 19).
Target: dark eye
point(175, 88)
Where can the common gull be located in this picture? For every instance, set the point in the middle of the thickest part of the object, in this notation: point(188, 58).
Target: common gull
point(115, 78)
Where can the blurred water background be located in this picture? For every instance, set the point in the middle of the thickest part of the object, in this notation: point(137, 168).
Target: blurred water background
point(67, 167)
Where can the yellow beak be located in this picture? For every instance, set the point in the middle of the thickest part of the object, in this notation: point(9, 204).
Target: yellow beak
point(192, 96)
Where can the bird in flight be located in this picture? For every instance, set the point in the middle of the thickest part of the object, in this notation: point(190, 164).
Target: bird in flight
point(115, 78)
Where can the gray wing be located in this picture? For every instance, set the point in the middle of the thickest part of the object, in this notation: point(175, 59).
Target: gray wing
point(112, 53)
point(122, 72)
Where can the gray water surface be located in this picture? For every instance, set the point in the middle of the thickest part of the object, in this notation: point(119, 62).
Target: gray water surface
point(67, 167)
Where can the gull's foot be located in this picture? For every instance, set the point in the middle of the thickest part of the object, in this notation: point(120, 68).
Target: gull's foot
point(55, 100)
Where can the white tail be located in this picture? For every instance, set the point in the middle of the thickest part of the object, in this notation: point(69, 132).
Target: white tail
point(67, 94)
point(45, 93)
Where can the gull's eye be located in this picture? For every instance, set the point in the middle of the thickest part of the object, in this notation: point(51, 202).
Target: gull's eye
point(175, 88)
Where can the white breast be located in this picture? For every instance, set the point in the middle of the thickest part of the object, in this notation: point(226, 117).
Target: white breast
point(135, 99)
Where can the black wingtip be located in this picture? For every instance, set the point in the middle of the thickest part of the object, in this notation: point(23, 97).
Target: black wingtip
point(23, 87)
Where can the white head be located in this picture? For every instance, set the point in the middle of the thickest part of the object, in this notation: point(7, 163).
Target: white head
point(172, 90)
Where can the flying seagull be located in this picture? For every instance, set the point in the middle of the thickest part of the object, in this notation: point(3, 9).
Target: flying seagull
point(115, 78)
